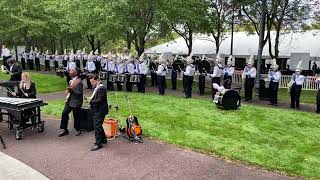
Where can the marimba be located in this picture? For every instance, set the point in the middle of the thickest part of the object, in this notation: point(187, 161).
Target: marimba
point(20, 111)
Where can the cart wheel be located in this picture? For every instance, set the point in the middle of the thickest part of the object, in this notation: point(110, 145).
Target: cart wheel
point(18, 135)
point(40, 127)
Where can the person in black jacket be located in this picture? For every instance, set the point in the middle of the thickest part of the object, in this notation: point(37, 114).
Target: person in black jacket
point(14, 70)
point(26, 89)
point(74, 100)
point(99, 109)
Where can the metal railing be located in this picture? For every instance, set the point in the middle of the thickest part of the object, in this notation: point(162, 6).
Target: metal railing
point(310, 82)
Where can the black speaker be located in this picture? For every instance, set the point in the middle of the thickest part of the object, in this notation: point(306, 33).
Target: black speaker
point(86, 121)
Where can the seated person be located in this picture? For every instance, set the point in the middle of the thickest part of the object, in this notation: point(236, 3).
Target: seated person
point(26, 89)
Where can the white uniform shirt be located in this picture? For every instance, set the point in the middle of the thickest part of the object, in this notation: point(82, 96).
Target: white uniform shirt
point(143, 68)
point(5, 52)
point(297, 79)
point(161, 70)
point(47, 57)
point(90, 66)
point(130, 68)
point(119, 68)
point(250, 72)
point(228, 71)
point(274, 76)
point(190, 69)
point(56, 58)
point(31, 55)
point(217, 71)
point(65, 57)
point(37, 55)
point(71, 65)
point(109, 66)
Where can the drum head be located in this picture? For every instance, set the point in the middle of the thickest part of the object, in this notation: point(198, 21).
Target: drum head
point(231, 100)
point(176, 64)
point(204, 65)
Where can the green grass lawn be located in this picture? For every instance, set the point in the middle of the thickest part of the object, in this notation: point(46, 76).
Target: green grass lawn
point(45, 83)
point(275, 139)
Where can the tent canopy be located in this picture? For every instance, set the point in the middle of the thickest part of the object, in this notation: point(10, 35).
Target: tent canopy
point(245, 44)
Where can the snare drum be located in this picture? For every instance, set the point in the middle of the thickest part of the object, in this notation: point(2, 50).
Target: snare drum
point(135, 78)
point(113, 78)
point(103, 75)
point(122, 78)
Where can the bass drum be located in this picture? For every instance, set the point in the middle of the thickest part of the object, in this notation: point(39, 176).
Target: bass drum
point(229, 100)
point(204, 66)
point(178, 65)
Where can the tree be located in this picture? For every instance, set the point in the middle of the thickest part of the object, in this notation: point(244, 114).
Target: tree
point(185, 18)
point(281, 16)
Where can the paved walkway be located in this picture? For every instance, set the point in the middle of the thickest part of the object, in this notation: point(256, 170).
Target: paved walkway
point(12, 169)
point(70, 157)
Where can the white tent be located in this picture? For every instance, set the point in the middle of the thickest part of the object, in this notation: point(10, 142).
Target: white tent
point(245, 44)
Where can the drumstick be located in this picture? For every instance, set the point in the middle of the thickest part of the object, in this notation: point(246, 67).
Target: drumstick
point(205, 70)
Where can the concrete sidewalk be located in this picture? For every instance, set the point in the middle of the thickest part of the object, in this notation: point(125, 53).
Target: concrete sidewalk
point(70, 158)
point(12, 169)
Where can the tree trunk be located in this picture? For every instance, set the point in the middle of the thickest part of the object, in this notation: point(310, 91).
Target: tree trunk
point(91, 41)
point(129, 40)
point(190, 42)
point(263, 7)
point(61, 46)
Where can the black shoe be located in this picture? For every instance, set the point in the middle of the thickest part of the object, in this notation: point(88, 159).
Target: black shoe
point(105, 141)
point(96, 147)
point(78, 133)
point(318, 112)
point(64, 133)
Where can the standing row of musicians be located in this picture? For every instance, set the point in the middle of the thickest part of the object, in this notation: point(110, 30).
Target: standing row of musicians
point(141, 68)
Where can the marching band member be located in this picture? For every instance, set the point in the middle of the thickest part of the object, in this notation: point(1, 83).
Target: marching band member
point(202, 77)
point(47, 58)
point(153, 69)
point(99, 108)
point(5, 53)
point(297, 80)
point(56, 60)
point(78, 58)
point(130, 70)
point(110, 68)
point(119, 69)
point(143, 71)
point(97, 60)
point(249, 74)
point(30, 60)
point(161, 74)
point(274, 77)
point(74, 100)
point(37, 58)
point(174, 75)
point(23, 60)
point(65, 59)
point(228, 72)
point(70, 66)
point(84, 57)
point(216, 74)
point(188, 77)
point(91, 68)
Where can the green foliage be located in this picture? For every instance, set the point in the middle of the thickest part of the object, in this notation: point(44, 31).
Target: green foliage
point(275, 139)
